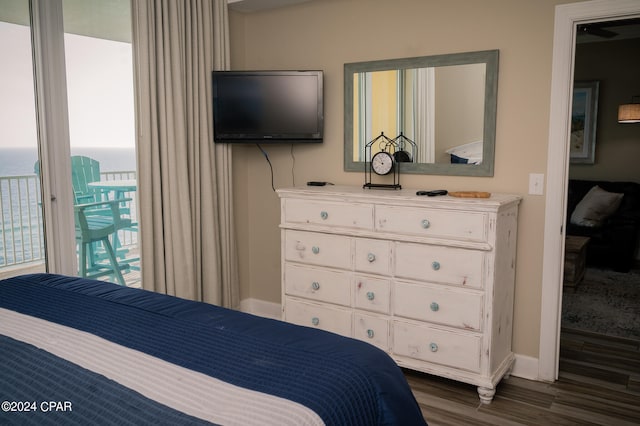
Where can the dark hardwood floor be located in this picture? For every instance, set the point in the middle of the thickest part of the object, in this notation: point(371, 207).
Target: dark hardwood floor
point(599, 384)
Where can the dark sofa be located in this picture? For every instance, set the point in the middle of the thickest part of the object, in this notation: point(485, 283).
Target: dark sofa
point(612, 245)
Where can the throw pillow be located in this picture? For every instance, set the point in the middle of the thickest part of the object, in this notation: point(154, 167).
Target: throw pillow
point(595, 207)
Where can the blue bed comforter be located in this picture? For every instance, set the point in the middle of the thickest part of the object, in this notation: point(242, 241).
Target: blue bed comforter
point(342, 380)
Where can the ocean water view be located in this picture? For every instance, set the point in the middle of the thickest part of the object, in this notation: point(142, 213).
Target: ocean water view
point(20, 161)
point(21, 237)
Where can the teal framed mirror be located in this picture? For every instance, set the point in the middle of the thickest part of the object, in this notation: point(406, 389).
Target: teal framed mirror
point(445, 104)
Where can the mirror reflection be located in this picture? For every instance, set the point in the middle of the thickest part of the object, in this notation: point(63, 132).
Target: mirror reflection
point(444, 104)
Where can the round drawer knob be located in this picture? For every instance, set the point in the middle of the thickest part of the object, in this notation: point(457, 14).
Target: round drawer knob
point(434, 306)
point(370, 334)
point(324, 215)
point(371, 257)
point(370, 295)
point(425, 223)
point(315, 249)
point(315, 285)
point(435, 265)
point(315, 320)
point(433, 347)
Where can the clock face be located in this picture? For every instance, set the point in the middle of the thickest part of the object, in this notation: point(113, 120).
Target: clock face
point(382, 163)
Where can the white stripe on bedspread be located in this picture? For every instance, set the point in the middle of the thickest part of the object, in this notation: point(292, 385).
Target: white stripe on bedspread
point(177, 387)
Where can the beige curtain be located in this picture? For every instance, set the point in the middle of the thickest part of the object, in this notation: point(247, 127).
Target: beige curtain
point(184, 180)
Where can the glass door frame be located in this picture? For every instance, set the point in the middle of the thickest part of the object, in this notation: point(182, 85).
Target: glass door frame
point(54, 152)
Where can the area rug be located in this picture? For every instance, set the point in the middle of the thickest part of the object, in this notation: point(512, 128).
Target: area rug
point(605, 302)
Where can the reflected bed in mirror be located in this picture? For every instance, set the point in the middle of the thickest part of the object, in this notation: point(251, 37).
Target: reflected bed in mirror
point(445, 104)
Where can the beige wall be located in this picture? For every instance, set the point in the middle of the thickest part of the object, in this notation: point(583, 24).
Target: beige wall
point(325, 34)
point(616, 65)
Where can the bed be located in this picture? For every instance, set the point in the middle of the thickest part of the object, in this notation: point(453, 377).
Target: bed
point(79, 351)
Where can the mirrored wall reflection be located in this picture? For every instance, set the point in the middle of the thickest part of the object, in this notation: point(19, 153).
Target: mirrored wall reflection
point(441, 109)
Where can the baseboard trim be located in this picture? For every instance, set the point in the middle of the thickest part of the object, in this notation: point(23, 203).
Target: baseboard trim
point(261, 308)
point(524, 366)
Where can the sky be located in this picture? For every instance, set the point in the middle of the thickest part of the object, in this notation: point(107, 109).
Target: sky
point(99, 87)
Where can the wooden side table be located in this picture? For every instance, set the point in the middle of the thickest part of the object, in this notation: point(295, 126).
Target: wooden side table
point(575, 255)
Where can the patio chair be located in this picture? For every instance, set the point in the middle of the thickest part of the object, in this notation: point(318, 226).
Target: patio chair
point(95, 221)
point(91, 229)
point(85, 170)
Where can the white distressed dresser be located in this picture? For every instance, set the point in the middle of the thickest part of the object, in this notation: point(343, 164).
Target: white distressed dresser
point(430, 280)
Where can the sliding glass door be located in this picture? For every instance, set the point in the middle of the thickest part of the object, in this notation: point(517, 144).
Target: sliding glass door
point(99, 77)
point(21, 220)
point(73, 101)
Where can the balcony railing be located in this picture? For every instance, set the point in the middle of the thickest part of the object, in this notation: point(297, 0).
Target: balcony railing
point(21, 222)
point(21, 237)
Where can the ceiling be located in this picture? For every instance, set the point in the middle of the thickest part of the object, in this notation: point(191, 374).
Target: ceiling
point(248, 6)
point(111, 19)
point(608, 31)
point(106, 19)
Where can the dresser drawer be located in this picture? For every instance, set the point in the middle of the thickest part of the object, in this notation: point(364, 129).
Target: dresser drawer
point(373, 256)
point(318, 284)
point(318, 249)
point(466, 226)
point(439, 304)
point(371, 329)
point(325, 317)
point(346, 215)
point(372, 294)
point(449, 348)
point(462, 267)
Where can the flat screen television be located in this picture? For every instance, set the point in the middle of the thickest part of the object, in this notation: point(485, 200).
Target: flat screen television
point(268, 106)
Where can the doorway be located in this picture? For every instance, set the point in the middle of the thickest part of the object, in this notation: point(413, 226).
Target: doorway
point(599, 281)
point(566, 20)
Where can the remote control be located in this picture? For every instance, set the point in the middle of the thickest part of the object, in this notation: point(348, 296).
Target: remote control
point(433, 193)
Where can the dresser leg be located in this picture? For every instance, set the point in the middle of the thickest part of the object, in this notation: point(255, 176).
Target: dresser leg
point(486, 394)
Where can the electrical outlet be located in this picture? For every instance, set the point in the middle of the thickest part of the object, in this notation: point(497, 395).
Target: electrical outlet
point(536, 184)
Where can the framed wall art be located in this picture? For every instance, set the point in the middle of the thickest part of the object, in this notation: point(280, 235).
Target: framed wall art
point(584, 115)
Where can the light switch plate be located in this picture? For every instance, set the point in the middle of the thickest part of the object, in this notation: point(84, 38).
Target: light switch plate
point(536, 184)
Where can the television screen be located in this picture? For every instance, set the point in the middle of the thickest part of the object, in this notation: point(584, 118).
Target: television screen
point(268, 106)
